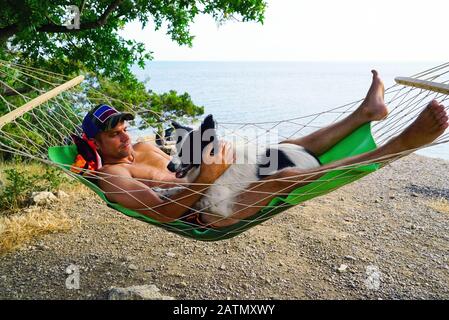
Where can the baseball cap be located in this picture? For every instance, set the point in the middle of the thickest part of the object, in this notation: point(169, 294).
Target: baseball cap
point(103, 118)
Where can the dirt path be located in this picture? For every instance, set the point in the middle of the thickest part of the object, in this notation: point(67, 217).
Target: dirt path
point(390, 229)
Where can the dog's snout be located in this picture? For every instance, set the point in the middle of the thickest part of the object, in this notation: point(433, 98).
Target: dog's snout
point(171, 167)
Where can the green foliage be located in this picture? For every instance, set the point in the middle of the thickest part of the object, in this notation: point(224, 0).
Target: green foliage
point(35, 30)
point(20, 183)
point(14, 193)
point(131, 92)
point(171, 105)
point(51, 179)
point(168, 106)
point(34, 131)
point(163, 107)
point(33, 33)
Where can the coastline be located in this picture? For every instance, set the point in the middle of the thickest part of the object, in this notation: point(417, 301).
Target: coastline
point(393, 221)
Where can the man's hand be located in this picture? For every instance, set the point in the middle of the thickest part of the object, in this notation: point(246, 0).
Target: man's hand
point(213, 166)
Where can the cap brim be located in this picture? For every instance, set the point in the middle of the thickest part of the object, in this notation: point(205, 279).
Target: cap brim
point(116, 118)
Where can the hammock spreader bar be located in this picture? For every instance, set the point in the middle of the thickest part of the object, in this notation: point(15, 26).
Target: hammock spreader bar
point(423, 84)
point(359, 141)
point(11, 116)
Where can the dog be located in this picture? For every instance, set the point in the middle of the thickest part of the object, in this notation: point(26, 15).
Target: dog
point(250, 166)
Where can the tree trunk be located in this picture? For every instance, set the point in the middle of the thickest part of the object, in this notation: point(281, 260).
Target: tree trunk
point(6, 33)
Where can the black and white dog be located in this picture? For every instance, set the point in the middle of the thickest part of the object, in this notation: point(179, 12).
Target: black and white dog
point(250, 166)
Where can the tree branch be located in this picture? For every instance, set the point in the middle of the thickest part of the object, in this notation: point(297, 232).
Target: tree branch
point(8, 92)
point(8, 32)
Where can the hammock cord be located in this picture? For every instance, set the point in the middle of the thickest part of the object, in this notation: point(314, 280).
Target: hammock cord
point(50, 124)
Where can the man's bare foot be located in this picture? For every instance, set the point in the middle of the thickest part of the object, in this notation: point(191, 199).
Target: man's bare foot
point(430, 124)
point(373, 108)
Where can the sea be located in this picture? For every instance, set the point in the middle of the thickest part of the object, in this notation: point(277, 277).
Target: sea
point(253, 92)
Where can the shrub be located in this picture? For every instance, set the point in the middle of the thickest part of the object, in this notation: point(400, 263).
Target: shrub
point(15, 190)
point(20, 183)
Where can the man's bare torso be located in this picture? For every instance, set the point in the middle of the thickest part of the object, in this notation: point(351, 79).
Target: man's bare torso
point(150, 165)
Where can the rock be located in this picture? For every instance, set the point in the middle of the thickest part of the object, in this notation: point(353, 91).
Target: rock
point(93, 256)
point(132, 267)
point(41, 247)
point(170, 254)
point(222, 267)
point(342, 268)
point(43, 198)
point(61, 194)
point(182, 284)
point(145, 292)
point(350, 258)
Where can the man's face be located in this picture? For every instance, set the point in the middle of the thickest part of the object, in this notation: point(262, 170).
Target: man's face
point(114, 143)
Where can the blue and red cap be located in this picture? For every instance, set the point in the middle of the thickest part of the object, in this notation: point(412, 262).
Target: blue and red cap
point(103, 118)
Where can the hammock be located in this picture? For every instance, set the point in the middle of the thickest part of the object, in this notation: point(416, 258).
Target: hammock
point(54, 106)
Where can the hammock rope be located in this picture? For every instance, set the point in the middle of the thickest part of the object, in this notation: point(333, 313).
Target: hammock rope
point(41, 133)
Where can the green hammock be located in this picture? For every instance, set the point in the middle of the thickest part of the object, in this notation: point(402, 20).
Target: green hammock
point(359, 141)
point(37, 125)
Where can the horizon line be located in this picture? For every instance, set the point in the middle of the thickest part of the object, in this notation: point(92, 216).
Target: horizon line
point(313, 61)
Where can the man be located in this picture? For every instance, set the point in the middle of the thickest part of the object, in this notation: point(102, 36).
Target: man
point(124, 164)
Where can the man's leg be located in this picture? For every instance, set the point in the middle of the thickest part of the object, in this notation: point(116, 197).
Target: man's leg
point(430, 124)
point(372, 108)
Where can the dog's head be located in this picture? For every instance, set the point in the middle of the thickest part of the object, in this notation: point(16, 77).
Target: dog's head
point(190, 145)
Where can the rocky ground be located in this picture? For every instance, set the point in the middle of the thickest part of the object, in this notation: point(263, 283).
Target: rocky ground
point(383, 237)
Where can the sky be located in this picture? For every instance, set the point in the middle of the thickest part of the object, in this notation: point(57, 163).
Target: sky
point(315, 30)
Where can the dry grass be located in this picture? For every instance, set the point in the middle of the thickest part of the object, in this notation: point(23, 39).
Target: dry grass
point(441, 205)
point(26, 225)
point(20, 229)
point(75, 187)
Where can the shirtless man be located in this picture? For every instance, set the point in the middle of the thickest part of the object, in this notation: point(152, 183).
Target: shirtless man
point(125, 164)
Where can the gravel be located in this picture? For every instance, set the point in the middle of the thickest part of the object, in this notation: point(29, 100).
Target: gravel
point(383, 228)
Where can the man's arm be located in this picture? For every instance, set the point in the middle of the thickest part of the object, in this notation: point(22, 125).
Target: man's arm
point(119, 186)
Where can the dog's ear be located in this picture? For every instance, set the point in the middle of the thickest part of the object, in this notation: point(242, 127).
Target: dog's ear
point(168, 131)
point(208, 122)
point(208, 132)
point(176, 125)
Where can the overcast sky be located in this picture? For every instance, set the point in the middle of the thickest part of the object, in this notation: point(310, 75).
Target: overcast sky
point(331, 30)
